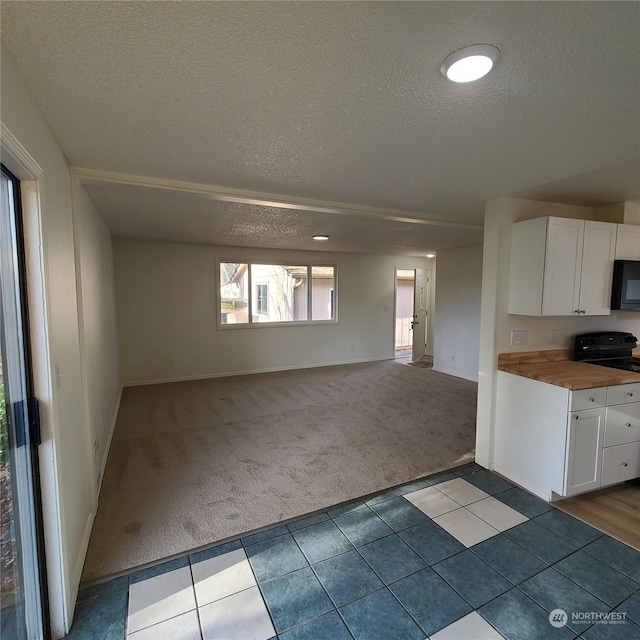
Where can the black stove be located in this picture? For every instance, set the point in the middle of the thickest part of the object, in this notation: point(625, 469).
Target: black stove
point(608, 349)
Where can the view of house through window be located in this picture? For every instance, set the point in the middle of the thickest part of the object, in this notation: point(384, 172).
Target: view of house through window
point(322, 293)
point(262, 298)
point(234, 293)
point(268, 293)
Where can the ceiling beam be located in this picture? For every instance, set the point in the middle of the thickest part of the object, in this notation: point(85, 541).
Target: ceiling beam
point(263, 199)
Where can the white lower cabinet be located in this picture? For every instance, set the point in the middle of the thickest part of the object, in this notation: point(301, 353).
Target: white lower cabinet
point(559, 443)
point(583, 463)
point(622, 424)
point(620, 463)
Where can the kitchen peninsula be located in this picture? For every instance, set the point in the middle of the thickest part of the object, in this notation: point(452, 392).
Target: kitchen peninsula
point(565, 427)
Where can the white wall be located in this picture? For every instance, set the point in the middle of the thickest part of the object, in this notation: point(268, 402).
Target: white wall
point(30, 150)
point(166, 304)
point(98, 327)
point(497, 324)
point(457, 312)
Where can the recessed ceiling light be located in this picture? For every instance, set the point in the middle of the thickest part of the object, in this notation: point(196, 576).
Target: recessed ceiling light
point(470, 63)
point(431, 255)
point(320, 237)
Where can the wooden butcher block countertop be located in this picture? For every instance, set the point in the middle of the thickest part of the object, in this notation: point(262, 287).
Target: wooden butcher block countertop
point(556, 367)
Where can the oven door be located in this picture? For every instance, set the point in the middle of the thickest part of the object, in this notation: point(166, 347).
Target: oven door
point(625, 293)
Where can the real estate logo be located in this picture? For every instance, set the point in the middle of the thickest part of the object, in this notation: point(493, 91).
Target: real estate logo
point(558, 618)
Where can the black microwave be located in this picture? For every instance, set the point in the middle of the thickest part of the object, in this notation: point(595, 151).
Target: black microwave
point(625, 293)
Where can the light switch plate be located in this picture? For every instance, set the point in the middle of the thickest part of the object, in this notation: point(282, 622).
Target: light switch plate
point(519, 337)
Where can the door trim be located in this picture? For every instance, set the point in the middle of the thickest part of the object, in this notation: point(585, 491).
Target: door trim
point(40, 561)
point(20, 162)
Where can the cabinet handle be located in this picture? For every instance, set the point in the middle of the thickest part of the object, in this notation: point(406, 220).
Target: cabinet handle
point(592, 399)
point(628, 424)
point(624, 464)
point(630, 395)
point(577, 311)
point(576, 416)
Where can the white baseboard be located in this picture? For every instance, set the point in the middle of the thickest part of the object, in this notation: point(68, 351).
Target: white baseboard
point(103, 462)
point(77, 570)
point(455, 374)
point(228, 374)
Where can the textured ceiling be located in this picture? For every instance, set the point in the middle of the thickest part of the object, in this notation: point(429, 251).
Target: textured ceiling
point(340, 102)
point(141, 212)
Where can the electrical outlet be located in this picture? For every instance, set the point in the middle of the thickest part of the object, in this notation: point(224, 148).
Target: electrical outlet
point(519, 337)
point(553, 336)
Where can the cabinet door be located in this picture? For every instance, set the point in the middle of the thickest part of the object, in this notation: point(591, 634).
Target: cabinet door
point(585, 433)
point(597, 268)
point(563, 265)
point(628, 242)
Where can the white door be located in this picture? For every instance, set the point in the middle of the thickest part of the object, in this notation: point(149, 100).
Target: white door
point(419, 322)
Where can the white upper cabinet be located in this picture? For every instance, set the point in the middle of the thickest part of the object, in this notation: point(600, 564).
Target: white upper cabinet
point(597, 268)
point(628, 242)
point(561, 267)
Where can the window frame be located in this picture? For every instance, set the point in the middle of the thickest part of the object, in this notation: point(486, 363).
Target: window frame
point(262, 299)
point(250, 289)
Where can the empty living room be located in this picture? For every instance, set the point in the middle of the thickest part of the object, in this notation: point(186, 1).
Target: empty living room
point(221, 223)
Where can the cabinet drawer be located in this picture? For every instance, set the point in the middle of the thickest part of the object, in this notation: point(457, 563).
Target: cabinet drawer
point(622, 424)
point(623, 393)
point(620, 463)
point(589, 398)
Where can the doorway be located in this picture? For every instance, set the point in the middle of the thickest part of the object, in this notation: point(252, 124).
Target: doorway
point(23, 592)
point(411, 310)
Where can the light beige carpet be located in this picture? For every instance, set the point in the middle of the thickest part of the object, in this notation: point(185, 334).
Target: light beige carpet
point(192, 463)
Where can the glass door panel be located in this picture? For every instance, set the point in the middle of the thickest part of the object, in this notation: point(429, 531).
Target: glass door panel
point(21, 575)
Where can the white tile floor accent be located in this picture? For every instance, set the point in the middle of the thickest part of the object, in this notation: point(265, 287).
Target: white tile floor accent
point(431, 501)
point(230, 604)
point(183, 627)
point(499, 515)
point(471, 627)
point(461, 491)
point(241, 616)
point(222, 576)
point(469, 514)
point(159, 598)
point(466, 527)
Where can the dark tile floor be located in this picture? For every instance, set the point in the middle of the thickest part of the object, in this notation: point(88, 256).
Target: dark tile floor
point(461, 555)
